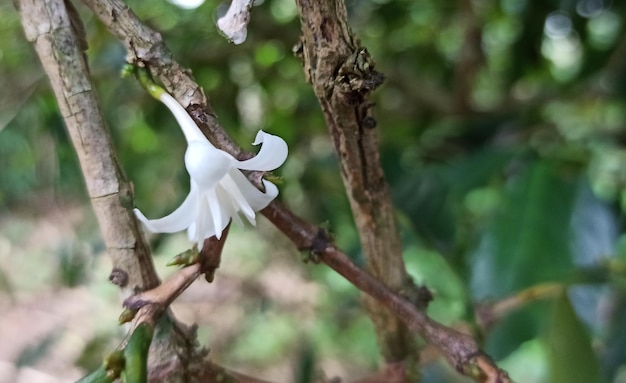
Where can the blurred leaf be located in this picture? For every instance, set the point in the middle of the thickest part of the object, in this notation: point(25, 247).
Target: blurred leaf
point(614, 342)
point(11, 104)
point(18, 176)
point(91, 357)
point(346, 333)
point(73, 264)
point(424, 198)
point(529, 363)
point(267, 338)
point(529, 241)
point(571, 357)
point(432, 196)
point(5, 283)
point(526, 244)
point(305, 362)
point(517, 328)
point(34, 353)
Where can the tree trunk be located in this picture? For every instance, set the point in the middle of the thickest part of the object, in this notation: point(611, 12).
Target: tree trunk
point(342, 75)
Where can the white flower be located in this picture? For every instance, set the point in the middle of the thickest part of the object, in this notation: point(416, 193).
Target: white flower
point(219, 191)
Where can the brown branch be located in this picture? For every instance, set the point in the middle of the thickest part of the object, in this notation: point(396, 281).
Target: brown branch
point(146, 46)
point(211, 254)
point(57, 45)
point(342, 75)
point(164, 294)
point(470, 59)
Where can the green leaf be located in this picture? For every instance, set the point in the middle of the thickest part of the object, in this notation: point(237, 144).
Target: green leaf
point(432, 196)
point(267, 338)
point(529, 241)
point(571, 357)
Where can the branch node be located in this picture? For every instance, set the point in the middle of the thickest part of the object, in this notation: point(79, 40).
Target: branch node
point(118, 277)
point(483, 368)
point(356, 76)
point(420, 295)
point(369, 122)
point(318, 247)
point(200, 115)
point(135, 302)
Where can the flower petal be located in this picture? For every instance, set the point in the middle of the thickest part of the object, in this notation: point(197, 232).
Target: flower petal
point(211, 218)
point(237, 199)
point(273, 153)
point(225, 202)
point(187, 124)
point(206, 164)
point(220, 220)
point(192, 232)
point(178, 220)
point(253, 196)
point(229, 206)
point(203, 225)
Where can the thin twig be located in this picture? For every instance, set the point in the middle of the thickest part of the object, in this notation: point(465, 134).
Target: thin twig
point(211, 254)
point(164, 294)
point(488, 314)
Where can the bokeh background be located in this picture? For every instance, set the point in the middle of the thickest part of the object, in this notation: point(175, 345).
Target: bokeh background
point(502, 127)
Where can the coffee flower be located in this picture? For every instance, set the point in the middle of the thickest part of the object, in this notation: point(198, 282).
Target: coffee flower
point(219, 191)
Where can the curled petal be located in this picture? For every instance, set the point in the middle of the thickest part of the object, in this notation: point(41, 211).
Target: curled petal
point(273, 153)
point(178, 220)
point(188, 126)
point(271, 192)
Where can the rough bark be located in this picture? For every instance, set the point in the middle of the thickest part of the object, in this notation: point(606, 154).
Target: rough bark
point(49, 27)
point(342, 75)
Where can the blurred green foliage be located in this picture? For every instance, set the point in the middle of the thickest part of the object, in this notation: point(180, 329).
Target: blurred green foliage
point(502, 130)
